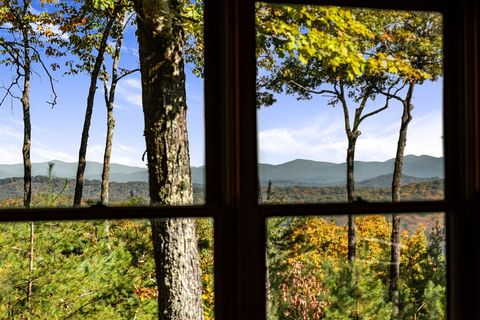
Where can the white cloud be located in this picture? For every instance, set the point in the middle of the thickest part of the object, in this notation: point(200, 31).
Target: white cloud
point(132, 51)
point(129, 90)
point(11, 141)
point(133, 83)
point(41, 153)
point(121, 154)
point(321, 139)
point(325, 140)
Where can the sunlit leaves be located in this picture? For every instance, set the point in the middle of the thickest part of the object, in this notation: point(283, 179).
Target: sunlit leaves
point(358, 47)
point(311, 279)
point(329, 35)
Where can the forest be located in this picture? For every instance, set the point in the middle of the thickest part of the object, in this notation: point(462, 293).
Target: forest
point(341, 267)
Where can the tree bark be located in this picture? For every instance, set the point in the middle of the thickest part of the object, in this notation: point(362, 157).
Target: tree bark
point(352, 229)
point(106, 156)
point(395, 250)
point(109, 103)
point(161, 40)
point(77, 199)
point(31, 260)
point(352, 135)
point(27, 126)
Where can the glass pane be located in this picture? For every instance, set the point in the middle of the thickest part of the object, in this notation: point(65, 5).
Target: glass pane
point(349, 104)
point(310, 276)
point(88, 270)
point(65, 44)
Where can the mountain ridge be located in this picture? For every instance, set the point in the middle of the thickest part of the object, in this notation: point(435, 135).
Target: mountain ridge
point(294, 172)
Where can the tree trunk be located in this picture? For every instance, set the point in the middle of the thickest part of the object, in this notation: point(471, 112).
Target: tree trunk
point(31, 261)
point(396, 221)
point(352, 230)
point(161, 42)
point(27, 127)
point(109, 103)
point(106, 156)
point(352, 136)
point(77, 200)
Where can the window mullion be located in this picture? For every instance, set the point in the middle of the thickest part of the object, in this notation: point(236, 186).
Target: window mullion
point(249, 225)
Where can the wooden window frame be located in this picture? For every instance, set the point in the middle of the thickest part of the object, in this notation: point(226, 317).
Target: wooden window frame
point(231, 160)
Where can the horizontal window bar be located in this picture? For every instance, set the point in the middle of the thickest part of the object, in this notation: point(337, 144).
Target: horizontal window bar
point(103, 212)
point(427, 5)
point(357, 208)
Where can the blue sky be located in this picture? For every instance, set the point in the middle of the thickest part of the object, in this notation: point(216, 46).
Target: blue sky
point(313, 130)
point(289, 130)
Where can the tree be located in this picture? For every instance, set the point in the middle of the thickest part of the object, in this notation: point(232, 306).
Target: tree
point(20, 45)
point(161, 46)
point(328, 51)
point(78, 45)
point(355, 293)
point(21, 50)
point(109, 95)
point(412, 44)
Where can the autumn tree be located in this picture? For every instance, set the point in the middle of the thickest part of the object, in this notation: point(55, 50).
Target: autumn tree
point(412, 46)
point(326, 51)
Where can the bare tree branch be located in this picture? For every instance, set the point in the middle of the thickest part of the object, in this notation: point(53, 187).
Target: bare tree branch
point(126, 73)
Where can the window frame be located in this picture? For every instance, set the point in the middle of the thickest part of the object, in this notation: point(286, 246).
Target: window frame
point(231, 159)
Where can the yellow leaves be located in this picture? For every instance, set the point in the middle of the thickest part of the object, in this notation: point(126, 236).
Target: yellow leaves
point(49, 32)
point(302, 59)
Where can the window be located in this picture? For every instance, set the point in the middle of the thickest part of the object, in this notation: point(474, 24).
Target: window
point(231, 196)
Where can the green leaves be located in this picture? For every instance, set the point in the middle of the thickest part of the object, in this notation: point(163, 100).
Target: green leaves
point(356, 46)
point(103, 4)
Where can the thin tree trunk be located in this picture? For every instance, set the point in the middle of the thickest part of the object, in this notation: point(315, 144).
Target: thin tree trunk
point(396, 221)
point(352, 230)
point(104, 193)
point(269, 191)
point(77, 200)
point(161, 42)
point(352, 136)
point(31, 260)
point(27, 127)
point(27, 164)
point(109, 103)
point(259, 191)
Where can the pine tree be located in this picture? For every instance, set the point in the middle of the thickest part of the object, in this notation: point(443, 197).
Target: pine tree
point(355, 293)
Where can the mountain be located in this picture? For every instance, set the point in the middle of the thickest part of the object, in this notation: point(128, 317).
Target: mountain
point(314, 173)
point(296, 172)
point(93, 171)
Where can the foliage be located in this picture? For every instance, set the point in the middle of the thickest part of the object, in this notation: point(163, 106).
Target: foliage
point(355, 293)
point(310, 278)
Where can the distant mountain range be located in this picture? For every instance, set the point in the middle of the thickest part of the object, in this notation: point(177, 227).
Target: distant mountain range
point(296, 172)
point(315, 173)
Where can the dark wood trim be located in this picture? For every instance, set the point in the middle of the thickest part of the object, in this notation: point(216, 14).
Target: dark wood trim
point(249, 226)
point(462, 150)
point(420, 5)
point(102, 212)
point(356, 208)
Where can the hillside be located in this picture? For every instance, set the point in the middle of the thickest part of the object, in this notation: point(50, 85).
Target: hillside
point(296, 172)
point(314, 173)
point(371, 190)
point(93, 171)
point(119, 191)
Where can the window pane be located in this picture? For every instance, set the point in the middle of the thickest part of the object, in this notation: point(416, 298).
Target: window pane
point(64, 44)
point(349, 104)
point(310, 276)
point(88, 270)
